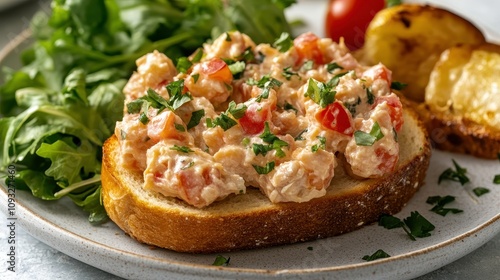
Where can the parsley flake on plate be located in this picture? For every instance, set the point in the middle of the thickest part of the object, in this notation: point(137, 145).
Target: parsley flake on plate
point(379, 254)
point(440, 202)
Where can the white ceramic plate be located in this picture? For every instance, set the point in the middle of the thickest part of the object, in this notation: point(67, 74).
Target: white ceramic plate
point(63, 226)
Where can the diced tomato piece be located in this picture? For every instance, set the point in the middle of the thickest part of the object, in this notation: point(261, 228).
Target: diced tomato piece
point(387, 161)
point(337, 118)
point(253, 121)
point(379, 71)
point(395, 109)
point(162, 126)
point(217, 69)
point(307, 47)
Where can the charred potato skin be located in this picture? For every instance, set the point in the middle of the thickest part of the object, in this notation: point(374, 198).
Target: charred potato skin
point(409, 39)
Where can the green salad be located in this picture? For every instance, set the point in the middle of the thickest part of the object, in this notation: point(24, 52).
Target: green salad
point(59, 108)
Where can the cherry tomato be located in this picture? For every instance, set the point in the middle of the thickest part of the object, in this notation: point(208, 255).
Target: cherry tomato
point(306, 45)
point(253, 121)
point(349, 19)
point(336, 117)
point(395, 109)
point(217, 69)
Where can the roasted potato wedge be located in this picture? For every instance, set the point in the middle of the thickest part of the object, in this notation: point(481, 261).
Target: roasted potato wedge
point(466, 82)
point(409, 39)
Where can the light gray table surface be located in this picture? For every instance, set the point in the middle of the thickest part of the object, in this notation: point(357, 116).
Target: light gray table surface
point(39, 261)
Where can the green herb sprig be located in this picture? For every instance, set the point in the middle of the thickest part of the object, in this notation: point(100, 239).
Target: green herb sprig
point(440, 202)
point(415, 225)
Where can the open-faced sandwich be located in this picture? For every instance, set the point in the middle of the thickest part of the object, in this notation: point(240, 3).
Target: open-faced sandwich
point(245, 146)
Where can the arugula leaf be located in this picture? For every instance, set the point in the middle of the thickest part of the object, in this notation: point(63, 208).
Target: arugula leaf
point(69, 160)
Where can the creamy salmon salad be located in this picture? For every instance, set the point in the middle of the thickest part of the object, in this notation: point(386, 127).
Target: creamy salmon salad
point(278, 117)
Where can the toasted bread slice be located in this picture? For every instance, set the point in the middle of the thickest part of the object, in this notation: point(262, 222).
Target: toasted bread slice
point(251, 220)
point(462, 101)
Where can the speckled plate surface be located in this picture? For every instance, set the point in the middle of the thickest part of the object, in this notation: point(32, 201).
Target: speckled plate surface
point(63, 226)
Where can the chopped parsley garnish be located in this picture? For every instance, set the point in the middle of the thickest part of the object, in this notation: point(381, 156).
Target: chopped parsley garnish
point(457, 175)
point(237, 110)
point(123, 134)
point(310, 248)
point(367, 139)
point(440, 203)
point(183, 64)
point(195, 118)
point(195, 77)
point(190, 164)
point(274, 143)
point(182, 149)
point(330, 67)
point(308, 65)
point(266, 83)
point(153, 99)
point(299, 137)
point(333, 82)
point(352, 106)
point(321, 145)
point(370, 98)
point(221, 261)
point(379, 254)
point(321, 93)
point(247, 55)
point(288, 73)
point(228, 37)
point(496, 179)
point(263, 170)
point(415, 225)
point(197, 56)
point(398, 85)
point(224, 120)
point(283, 43)
point(289, 106)
point(479, 191)
point(179, 127)
point(237, 68)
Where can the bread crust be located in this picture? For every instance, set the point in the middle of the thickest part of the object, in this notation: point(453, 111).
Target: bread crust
point(457, 134)
point(251, 220)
